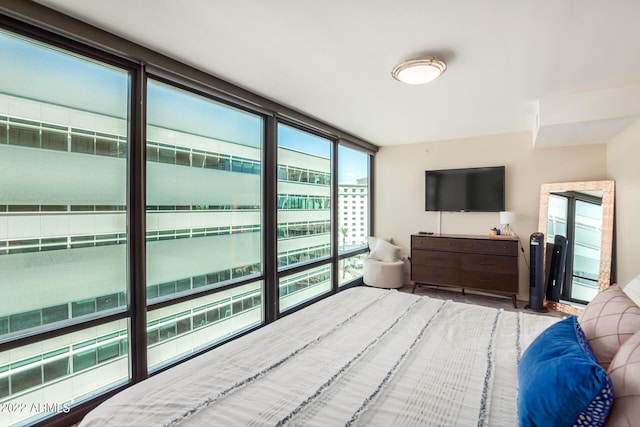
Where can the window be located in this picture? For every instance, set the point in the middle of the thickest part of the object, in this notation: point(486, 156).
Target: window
point(351, 268)
point(65, 226)
point(558, 211)
point(99, 353)
point(353, 175)
point(578, 217)
point(222, 241)
point(182, 328)
point(301, 151)
point(50, 160)
point(353, 170)
point(300, 287)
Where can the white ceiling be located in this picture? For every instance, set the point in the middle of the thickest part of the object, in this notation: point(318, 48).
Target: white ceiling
point(332, 59)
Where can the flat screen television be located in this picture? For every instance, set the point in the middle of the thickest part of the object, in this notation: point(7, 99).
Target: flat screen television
point(468, 190)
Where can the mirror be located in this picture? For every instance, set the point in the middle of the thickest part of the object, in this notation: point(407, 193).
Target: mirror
point(582, 212)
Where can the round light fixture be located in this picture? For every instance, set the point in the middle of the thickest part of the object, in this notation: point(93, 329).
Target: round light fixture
point(419, 71)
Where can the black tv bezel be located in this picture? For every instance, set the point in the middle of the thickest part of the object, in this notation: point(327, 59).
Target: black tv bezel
point(503, 205)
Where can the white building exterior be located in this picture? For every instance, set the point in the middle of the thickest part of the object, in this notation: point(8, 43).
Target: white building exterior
point(63, 244)
point(353, 205)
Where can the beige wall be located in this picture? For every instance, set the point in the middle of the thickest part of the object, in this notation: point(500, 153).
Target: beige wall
point(399, 180)
point(623, 165)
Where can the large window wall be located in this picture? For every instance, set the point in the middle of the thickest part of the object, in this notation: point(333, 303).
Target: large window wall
point(204, 222)
point(134, 235)
point(64, 131)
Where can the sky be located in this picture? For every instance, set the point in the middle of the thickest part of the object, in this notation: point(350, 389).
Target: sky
point(28, 69)
point(352, 164)
point(33, 71)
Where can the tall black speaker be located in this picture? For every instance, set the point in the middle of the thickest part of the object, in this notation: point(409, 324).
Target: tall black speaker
point(536, 273)
point(556, 268)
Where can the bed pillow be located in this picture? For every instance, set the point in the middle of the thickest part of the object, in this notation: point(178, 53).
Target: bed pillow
point(560, 380)
point(608, 321)
point(625, 376)
point(385, 251)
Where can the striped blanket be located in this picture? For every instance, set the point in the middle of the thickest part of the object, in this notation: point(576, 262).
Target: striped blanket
point(365, 356)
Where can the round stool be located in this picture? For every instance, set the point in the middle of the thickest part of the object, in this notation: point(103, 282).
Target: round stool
point(383, 274)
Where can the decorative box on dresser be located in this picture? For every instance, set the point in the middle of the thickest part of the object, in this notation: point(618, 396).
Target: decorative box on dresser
point(471, 262)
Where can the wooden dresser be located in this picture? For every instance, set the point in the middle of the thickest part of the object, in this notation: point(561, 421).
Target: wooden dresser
point(471, 262)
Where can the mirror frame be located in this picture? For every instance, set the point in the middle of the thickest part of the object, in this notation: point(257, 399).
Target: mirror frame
point(606, 243)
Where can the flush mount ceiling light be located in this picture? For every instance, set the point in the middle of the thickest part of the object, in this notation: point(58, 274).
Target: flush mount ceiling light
point(419, 71)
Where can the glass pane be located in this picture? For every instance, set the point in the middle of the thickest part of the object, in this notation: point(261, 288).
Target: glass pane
point(181, 329)
point(351, 268)
point(26, 379)
point(204, 219)
point(57, 368)
point(54, 191)
point(4, 129)
point(55, 313)
point(63, 370)
point(558, 212)
point(300, 287)
point(49, 165)
point(304, 196)
point(586, 257)
point(84, 360)
point(353, 198)
point(54, 140)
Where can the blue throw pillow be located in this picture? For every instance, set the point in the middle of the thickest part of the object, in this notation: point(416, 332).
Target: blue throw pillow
point(561, 382)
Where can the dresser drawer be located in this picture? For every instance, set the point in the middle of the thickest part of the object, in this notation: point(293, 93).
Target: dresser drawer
point(498, 247)
point(490, 281)
point(436, 259)
point(435, 243)
point(489, 263)
point(435, 275)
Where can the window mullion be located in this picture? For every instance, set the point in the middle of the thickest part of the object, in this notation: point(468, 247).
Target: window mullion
point(137, 227)
point(270, 179)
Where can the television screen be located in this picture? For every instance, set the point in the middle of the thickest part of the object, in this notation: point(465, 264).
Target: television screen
point(469, 190)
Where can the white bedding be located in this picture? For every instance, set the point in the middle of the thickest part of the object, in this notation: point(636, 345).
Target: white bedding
point(365, 356)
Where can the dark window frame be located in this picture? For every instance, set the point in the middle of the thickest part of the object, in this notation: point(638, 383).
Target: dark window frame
point(572, 199)
point(29, 20)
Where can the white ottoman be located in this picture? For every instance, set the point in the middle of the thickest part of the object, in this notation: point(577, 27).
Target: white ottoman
point(383, 274)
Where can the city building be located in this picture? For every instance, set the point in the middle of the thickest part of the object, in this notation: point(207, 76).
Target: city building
point(354, 218)
point(66, 228)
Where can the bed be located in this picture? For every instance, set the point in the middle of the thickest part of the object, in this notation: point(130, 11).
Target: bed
point(365, 356)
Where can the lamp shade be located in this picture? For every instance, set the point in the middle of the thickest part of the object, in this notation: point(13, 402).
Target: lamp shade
point(507, 217)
